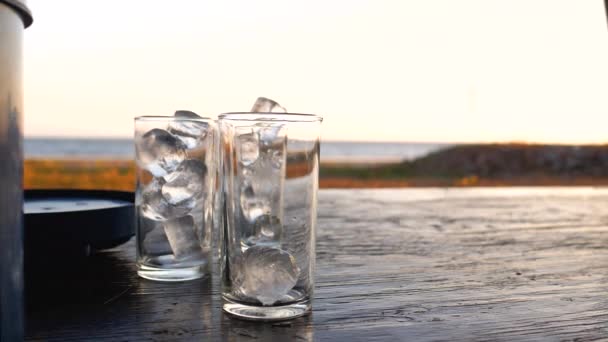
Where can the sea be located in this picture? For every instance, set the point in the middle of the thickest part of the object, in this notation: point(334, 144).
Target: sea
point(332, 151)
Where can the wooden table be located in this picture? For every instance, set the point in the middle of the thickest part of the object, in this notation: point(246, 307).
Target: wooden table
point(516, 264)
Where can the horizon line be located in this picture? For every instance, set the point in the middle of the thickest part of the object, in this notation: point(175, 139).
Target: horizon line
point(512, 142)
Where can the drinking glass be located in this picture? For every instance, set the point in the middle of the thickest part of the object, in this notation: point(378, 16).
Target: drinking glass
point(176, 178)
point(270, 178)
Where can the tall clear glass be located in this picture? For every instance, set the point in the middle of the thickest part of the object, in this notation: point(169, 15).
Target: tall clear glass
point(270, 178)
point(176, 179)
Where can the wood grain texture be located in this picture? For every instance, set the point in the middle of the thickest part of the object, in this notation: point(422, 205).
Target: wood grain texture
point(517, 264)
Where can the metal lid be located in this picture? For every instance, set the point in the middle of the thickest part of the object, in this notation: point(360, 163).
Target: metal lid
point(22, 10)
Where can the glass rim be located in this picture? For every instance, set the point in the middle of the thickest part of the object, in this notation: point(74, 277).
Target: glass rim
point(169, 118)
point(270, 116)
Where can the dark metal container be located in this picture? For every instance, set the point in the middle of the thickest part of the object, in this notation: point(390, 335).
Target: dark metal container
point(14, 17)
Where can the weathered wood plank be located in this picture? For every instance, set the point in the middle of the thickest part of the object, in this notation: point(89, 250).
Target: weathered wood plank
point(420, 264)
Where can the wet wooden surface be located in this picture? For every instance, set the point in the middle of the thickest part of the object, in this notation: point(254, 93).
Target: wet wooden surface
point(519, 264)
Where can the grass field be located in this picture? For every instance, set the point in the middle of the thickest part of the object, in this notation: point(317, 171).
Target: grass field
point(120, 175)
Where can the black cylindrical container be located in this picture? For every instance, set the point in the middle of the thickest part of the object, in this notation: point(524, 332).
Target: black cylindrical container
point(14, 17)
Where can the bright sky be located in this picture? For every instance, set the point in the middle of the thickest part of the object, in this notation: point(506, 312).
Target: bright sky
point(377, 70)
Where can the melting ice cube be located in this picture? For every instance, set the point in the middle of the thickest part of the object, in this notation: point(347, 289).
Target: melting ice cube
point(271, 133)
point(252, 205)
point(265, 273)
point(160, 152)
point(267, 226)
point(153, 239)
point(247, 148)
point(261, 186)
point(182, 237)
point(185, 184)
point(186, 114)
point(154, 206)
point(189, 131)
point(266, 105)
point(273, 144)
point(267, 231)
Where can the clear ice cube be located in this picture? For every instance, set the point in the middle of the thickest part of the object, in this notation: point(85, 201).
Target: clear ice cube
point(187, 114)
point(248, 148)
point(277, 159)
point(265, 273)
point(252, 205)
point(267, 230)
point(262, 185)
point(146, 225)
point(198, 214)
point(198, 211)
point(155, 241)
point(190, 132)
point(272, 143)
point(160, 152)
point(270, 134)
point(266, 105)
point(184, 242)
point(185, 184)
point(260, 180)
point(154, 206)
point(268, 226)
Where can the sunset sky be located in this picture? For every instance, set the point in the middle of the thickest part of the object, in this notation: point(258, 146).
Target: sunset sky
point(376, 70)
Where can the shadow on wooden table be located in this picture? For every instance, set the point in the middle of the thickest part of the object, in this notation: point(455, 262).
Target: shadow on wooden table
point(100, 297)
point(73, 279)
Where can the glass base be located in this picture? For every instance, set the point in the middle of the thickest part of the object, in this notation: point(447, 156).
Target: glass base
point(171, 274)
point(266, 313)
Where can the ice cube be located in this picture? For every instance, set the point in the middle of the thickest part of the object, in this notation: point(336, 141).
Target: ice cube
point(198, 212)
point(190, 142)
point(266, 105)
point(267, 230)
point(253, 206)
point(182, 237)
point(265, 273)
point(185, 184)
point(189, 131)
point(160, 152)
point(261, 185)
point(273, 143)
point(202, 222)
point(248, 149)
point(277, 159)
point(151, 203)
point(261, 191)
point(267, 226)
point(154, 206)
point(154, 240)
point(270, 134)
point(186, 114)
point(146, 225)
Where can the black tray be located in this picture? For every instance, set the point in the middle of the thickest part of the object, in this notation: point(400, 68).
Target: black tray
point(76, 221)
